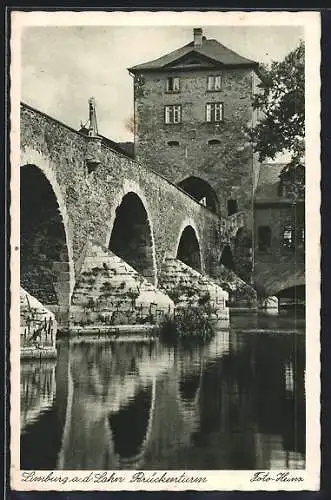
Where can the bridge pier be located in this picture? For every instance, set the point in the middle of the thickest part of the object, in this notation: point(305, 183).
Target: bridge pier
point(110, 292)
point(187, 287)
point(38, 328)
point(269, 305)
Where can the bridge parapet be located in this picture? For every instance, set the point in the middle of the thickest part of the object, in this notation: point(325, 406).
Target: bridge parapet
point(92, 195)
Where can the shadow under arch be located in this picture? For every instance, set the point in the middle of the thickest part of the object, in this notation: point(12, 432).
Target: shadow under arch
point(45, 255)
point(201, 191)
point(293, 295)
point(188, 250)
point(226, 258)
point(131, 237)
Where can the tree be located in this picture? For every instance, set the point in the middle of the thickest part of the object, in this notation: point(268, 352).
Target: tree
point(281, 99)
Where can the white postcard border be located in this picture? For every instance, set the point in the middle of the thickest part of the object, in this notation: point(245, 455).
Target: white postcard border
point(216, 480)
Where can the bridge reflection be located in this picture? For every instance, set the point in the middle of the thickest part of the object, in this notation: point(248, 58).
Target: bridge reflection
point(37, 389)
point(237, 403)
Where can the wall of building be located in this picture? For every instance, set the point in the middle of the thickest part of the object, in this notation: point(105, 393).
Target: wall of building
point(227, 166)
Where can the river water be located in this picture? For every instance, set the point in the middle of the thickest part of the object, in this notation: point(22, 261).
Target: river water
point(236, 403)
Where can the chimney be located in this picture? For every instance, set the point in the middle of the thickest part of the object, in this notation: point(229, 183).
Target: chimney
point(197, 37)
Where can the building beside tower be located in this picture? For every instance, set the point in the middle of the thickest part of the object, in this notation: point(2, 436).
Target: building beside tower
point(192, 109)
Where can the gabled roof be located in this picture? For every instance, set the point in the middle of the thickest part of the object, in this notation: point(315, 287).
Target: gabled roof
point(267, 189)
point(211, 49)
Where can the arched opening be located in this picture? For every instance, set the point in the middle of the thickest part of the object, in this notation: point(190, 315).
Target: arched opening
point(130, 424)
point(189, 249)
point(242, 254)
point(201, 191)
point(294, 296)
point(264, 238)
point(232, 207)
point(44, 258)
point(227, 258)
point(131, 237)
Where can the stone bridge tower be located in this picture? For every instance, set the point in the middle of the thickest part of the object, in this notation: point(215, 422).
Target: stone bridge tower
point(192, 107)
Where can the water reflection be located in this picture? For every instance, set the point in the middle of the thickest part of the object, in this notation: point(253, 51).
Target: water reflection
point(37, 389)
point(237, 403)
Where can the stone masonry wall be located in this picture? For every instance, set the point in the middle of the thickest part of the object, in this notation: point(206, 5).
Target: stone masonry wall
point(227, 166)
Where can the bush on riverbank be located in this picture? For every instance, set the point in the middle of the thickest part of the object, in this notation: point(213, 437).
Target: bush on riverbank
point(186, 326)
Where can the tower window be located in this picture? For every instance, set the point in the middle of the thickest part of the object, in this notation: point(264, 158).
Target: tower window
point(214, 112)
point(214, 83)
point(173, 113)
point(264, 238)
point(172, 84)
point(173, 143)
point(214, 142)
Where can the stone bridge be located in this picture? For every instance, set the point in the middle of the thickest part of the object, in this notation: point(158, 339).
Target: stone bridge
point(76, 188)
point(279, 255)
point(283, 277)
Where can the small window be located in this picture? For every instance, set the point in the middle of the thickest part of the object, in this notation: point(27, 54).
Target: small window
point(232, 207)
point(172, 84)
point(214, 112)
point(214, 83)
point(173, 143)
point(203, 201)
point(264, 238)
point(173, 113)
point(214, 142)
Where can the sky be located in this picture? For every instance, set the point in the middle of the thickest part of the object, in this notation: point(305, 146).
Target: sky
point(62, 67)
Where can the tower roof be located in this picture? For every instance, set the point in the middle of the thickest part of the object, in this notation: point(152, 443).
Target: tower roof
point(208, 50)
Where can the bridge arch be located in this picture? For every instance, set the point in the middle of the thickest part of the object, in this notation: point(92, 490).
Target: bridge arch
point(294, 294)
point(201, 191)
point(46, 245)
point(131, 236)
point(188, 247)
